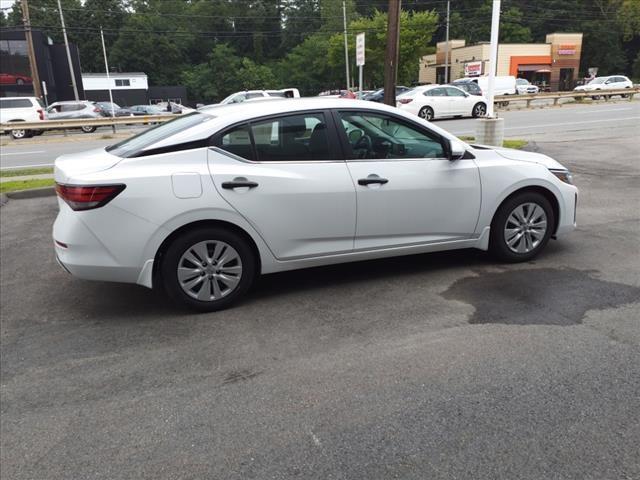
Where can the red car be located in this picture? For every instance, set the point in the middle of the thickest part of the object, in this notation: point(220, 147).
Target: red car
point(14, 79)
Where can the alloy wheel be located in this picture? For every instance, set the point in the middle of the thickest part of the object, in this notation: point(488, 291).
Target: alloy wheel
point(18, 133)
point(479, 110)
point(426, 113)
point(525, 228)
point(209, 270)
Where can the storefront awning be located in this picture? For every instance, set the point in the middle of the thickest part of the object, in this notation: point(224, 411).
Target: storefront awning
point(534, 68)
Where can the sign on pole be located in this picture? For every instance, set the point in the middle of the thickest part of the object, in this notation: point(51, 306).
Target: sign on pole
point(360, 56)
point(360, 49)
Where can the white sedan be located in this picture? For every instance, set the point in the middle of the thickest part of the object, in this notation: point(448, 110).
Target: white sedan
point(437, 101)
point(201, 205)
point(598, 84)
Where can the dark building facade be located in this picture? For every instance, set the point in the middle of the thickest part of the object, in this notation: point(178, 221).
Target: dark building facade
point(51, 60)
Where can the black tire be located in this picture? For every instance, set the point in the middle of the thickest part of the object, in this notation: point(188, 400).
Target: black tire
point(426, 113)
point(479, 110)
point(498, 244)
point(183, 243)
point(88, 129)
point(19, 133)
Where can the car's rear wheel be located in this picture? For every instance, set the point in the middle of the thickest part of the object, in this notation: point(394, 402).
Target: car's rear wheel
point(479, 110)
point(521, 227)
point(426, 113)
point(19, 133)
point(88, 129)
point(208, 269)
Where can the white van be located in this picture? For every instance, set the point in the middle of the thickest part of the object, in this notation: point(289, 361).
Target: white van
point(240, 97)
point(504, 85)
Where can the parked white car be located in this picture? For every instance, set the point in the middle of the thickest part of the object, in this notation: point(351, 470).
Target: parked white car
point(524, 87)
point(503, 85)
point(612, 82)
point(21, 109)
point(240, 97)
point(201, 205)
point(438, 101)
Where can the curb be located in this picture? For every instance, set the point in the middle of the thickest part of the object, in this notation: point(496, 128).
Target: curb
point(31, 193)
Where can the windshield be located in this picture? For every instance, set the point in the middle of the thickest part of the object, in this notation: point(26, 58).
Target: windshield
point(522, 81)
point(132, 146)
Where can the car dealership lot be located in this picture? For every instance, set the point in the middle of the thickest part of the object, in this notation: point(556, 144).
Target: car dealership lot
point(431, 366)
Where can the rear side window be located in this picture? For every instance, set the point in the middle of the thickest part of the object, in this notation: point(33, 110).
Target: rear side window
point(238, 142)
point(290, 138)
point(16, 103)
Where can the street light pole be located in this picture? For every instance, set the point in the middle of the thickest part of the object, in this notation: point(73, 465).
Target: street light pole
point(346, 44)
point(446, 51)
point(493, 56)
point(66, 44)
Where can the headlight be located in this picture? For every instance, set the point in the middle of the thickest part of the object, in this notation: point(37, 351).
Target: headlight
point(564, 176)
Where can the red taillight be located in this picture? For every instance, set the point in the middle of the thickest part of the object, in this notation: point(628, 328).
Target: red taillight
point(405, 100)
point(87, 197)
point(41, 114)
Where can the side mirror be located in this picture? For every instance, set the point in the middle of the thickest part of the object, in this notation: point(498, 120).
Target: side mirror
point(457, 150)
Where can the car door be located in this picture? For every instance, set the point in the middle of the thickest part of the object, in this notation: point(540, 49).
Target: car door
point(285, 175)
point(408, 193)
point(459, 103)
point(437, 99)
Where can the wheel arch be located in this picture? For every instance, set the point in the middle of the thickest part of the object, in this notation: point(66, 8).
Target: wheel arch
point(548, 194)
point(200, 224)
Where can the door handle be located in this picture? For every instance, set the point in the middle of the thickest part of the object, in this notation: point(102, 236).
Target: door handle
point(372, 180)
point(239, 183)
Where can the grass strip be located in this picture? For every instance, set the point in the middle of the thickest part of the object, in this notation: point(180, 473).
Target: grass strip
point(23, 172)
point(513, 143)
point(25, 184)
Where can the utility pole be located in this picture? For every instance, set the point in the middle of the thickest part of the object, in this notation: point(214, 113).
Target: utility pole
point(391, 53)
point(35, 77)
point(446, 51)
point(66, 44)
point(106, 67)
point(346, 44)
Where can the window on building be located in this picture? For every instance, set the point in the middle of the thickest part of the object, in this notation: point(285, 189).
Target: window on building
point(122, 82)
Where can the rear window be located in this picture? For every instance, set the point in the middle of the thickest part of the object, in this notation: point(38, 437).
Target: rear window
point(133, 146)
point(16, 103)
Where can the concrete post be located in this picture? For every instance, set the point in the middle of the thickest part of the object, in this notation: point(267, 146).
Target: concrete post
point(490, 131)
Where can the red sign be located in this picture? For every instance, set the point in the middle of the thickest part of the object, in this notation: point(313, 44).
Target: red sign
point(473, 69)
point(566, 49)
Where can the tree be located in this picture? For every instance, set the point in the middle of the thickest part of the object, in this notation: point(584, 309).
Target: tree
point(416, 32)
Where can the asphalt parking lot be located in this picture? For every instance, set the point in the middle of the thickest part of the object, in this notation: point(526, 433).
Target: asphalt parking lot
point(433, 366)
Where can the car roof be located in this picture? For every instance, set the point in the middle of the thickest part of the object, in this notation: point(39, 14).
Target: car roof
point(68, 102)
point(18, 98)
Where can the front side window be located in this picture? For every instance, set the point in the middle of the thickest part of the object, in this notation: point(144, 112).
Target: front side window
point(379, 136)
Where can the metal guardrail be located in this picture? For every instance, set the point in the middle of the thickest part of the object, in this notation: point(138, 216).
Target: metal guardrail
point(557, 96)
point(146, 119)
point(86, 122)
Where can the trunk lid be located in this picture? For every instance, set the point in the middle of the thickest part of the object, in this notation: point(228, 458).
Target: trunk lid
point(91, 161)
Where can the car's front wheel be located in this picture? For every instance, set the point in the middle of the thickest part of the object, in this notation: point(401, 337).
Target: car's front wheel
point(479, 110)
point(88, 129)
point(208, 268)
point(19, 133)
point(426, 113)
point(521, 227)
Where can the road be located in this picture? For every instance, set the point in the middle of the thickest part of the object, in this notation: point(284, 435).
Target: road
point(568, 122)
point(434, 366)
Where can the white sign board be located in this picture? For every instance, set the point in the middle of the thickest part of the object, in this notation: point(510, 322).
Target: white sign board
point(360, 49)
point(472, 69)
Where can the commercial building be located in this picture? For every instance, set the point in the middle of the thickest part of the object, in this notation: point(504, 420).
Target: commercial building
point(51, 60)
point(130, 88)
point(553, 65)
